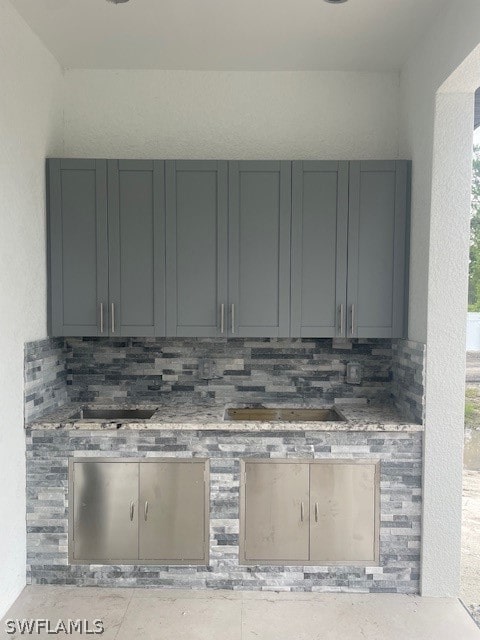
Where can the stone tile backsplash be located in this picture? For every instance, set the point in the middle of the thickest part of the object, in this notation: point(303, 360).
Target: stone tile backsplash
point(408, 378)
point(239, 370)
point(45, 377)
point(102, 370)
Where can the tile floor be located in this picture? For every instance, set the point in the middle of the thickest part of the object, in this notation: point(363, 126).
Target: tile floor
point(154, 614)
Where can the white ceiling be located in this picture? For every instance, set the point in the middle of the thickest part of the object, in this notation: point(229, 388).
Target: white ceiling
point(230, 34)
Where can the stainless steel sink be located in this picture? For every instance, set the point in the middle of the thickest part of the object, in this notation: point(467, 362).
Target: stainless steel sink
point(285, 415)
point(113, 414)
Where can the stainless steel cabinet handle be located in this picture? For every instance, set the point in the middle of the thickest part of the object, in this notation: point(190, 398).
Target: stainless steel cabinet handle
point(222, 318)
point(113, 317)
point(316, 511)
point(352, 326)
point(233, 318)
point(132, 510)
point(145, 510)
point(342, 320)
point(301, 511)
point(101, 317)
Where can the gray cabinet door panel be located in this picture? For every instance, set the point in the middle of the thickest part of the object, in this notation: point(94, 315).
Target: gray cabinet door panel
point(276, 515)
point(259, 248)
point(136, 225)
point(319, 249)
point(343, 513)
point(196, 247)
point(376, 249)
point(172, 511)
point(78, 246)
point(105, 496)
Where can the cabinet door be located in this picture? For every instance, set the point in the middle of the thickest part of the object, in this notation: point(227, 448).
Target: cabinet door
point(105, 524)
point(275, 513)
point(173, 521)
point(376, 249)
point(78, 247)
point(136, 237)
point(343, 513)
point(196, 248)
point(259, 248)
point(319, 249)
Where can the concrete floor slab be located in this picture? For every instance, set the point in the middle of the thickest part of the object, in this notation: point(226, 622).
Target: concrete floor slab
point(159, 614)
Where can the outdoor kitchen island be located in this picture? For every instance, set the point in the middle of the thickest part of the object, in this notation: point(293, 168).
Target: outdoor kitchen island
point(373, 435)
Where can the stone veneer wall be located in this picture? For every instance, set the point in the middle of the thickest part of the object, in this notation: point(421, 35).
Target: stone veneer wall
point(47, 508)
point(244, 370)
point(408, 378)
point(45, 376)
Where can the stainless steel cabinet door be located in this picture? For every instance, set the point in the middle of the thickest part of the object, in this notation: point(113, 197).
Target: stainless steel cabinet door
point(376, 249)
point(259, 249)
point(105, 496)
point(343, 513)
point(275, 518)
point(136, 238)
point(172, 525)
point(319, 249)
point(78, 247)
point(196, 248)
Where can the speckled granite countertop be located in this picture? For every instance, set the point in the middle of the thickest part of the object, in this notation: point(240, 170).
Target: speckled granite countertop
point(188, 415)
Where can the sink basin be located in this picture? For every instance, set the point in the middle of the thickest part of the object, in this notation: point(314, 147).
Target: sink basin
point(285, 415)
point(114, 414)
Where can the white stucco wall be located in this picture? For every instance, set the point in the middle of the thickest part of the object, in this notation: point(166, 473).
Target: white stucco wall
point(437, 132)
point(30, 129)
point(249, 115)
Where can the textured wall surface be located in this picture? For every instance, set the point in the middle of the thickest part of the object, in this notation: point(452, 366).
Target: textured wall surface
point(246, 370)
point(45, 376)
point(408, 378)
point(30, 129)
point(437, 134)
point(231, 115)
point(400, 478)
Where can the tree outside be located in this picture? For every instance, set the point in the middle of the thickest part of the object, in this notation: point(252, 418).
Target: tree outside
point(474, 274)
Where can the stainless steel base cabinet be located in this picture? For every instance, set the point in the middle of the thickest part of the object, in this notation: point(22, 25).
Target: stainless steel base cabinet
point(318, 512)
point(172, 519)
point(152, 511)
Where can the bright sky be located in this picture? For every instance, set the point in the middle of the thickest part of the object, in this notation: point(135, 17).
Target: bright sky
point(476, 136)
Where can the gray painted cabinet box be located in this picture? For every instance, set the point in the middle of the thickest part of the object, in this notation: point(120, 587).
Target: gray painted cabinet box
point(235, 249)
point(107, 247)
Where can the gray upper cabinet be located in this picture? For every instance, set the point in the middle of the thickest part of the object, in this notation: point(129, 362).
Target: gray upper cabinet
point(136, 239)
point(259, 248)
point(197, 198)
point(319, 249)
point(78, 247)
point(376, 249)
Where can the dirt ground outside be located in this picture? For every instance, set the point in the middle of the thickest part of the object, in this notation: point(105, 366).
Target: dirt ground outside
point(470, 593)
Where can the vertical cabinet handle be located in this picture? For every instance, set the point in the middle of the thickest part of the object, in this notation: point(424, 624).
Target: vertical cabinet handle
point(316, 511)
point(132, 510)
point(222, 319)
point(101, 317)
point(145, 510)
point(342, 321)
point(301, 511)
point(113, 317)
point(233, 318)
point(352, 317)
